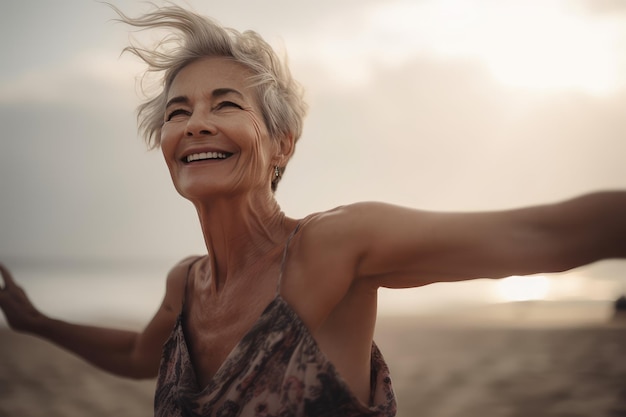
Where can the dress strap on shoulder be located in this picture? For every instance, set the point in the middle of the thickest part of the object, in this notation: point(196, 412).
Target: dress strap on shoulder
point(191, 264)
point(282, 262)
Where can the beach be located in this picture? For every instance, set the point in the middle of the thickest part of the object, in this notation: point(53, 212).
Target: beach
point(457, 365)
point(38, 379)
point(509, 371)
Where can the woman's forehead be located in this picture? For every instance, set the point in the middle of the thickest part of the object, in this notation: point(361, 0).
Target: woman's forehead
point(212, 73)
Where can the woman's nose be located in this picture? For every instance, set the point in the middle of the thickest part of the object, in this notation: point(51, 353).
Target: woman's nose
point(200, 125)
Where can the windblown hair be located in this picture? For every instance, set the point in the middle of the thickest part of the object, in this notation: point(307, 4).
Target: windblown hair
point(193, 37)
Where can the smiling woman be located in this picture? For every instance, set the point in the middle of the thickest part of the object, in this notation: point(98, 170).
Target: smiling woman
point(277, 317)
point(212, 110)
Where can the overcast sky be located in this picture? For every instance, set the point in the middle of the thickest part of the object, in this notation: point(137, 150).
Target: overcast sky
point(446, 105)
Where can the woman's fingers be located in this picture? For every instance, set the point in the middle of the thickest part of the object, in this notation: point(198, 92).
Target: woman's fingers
point(7, 278)
point(18, 310)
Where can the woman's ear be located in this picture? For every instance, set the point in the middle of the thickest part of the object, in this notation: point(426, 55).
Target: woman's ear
point(286, 147)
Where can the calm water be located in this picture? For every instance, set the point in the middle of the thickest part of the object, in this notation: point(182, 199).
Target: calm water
point(131, 294)
point(95, 293)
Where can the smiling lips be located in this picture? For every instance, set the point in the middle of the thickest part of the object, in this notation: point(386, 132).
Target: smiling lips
point(202, 156)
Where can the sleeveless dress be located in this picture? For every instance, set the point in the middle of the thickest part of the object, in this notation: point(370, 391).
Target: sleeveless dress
point(276, 370)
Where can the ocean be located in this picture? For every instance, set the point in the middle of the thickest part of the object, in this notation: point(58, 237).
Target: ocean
point(130, 293)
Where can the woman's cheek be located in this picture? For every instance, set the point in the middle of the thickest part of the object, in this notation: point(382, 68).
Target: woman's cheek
point(168, 144)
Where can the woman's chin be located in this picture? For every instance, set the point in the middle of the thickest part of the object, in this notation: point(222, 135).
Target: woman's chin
point(207, 192)
point(210, 192)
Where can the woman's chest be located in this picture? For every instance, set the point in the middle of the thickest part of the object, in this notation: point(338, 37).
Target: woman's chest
point(213, 330)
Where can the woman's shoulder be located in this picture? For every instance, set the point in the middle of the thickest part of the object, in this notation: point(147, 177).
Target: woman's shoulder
point(341, 226)
point(338, 220)
point(184, 264)
point(354, 228)
point(176, 283)
point(177, 275)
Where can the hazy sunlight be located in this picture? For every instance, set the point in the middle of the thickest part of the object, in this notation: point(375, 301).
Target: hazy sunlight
point(530, 45)
point(523, 288)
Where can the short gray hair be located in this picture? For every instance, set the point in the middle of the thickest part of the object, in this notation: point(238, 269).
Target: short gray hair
point(194, 37)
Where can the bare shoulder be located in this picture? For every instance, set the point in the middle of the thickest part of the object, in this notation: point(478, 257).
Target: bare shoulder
point(176, 283)
point(337, 237)
point(369, 242)
point(341, 222)
point(351, 227)
point(147, 352)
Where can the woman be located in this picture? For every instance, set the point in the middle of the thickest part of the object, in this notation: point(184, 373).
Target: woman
point(278, 317)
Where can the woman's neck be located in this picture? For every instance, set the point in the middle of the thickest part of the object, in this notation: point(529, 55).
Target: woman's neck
point(238, 232)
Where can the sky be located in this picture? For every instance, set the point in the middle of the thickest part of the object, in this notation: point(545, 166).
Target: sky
point(433, 104)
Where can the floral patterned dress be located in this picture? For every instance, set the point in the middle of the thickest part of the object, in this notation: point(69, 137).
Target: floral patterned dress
point(276, 370)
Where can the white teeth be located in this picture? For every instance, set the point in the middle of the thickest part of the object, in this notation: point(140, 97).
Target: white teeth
point(205, 155)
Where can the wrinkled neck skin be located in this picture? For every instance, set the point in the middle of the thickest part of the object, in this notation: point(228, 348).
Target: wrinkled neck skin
point(239, 232)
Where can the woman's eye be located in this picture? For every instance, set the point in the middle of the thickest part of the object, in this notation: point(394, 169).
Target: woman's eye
point(224, 104)
point(177, 112)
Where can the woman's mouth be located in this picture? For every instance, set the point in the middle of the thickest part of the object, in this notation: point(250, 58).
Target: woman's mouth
point(203, 156)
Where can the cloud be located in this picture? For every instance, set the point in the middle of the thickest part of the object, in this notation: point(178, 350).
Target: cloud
point(93, 77)
point(443, 134)
point(602, 8)
point(530, 45)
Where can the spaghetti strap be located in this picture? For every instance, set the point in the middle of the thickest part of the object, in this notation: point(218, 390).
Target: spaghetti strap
point(282, 262)
point(277, 347)
point(191, 264)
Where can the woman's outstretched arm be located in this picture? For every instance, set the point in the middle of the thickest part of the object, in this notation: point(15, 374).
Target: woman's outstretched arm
point(399, 247)
point(125, 353)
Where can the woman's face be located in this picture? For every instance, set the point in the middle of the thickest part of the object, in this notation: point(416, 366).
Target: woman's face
point(213, 138)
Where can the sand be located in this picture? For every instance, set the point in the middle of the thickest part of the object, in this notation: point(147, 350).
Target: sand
point(508, 372)
point(440, 369)
point(39, 379)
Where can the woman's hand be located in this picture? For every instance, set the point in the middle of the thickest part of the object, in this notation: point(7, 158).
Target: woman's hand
point(121, 352)
point(20, 313)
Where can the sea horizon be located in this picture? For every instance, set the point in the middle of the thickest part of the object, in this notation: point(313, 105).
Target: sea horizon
point(129, 293)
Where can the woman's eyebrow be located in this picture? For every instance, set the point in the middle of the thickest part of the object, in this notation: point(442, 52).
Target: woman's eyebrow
point(177, 100)
point(218, 92)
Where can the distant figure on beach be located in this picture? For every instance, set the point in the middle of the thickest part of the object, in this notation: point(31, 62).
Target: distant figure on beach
point(619, 309)
point(277, 318)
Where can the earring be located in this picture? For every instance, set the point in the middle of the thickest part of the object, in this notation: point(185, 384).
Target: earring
point(276, 172)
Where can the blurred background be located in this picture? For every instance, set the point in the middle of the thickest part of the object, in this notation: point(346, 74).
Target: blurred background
point(434, 104)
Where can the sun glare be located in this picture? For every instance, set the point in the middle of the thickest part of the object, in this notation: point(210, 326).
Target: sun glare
point(523, 288)
point(541, 46)
point(550, 50)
